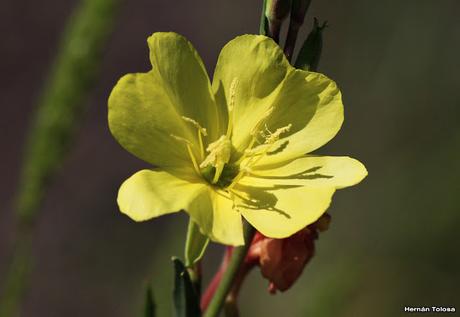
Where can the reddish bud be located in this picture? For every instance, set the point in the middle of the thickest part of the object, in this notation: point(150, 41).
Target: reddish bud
point(282, 261)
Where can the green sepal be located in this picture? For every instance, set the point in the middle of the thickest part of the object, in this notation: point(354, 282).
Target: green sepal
point(310, 53)
point(149, 306)
point(196, 244)
point(185, 299)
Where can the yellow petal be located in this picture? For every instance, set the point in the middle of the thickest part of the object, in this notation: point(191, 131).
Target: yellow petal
point(279, 212)
point(319, 93)
point(312, 171)
point(146, 110)
point(265, 93)
point(148, 194)
point(249, 73)
point(217, 218)
point(184, 77)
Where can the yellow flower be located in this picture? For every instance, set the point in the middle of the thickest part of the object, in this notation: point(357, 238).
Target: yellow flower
point(234, 148)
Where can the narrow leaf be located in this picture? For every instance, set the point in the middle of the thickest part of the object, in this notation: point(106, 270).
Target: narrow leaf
point(149, 308)
point(185, 298)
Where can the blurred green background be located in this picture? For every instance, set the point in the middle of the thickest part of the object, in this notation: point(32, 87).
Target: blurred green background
point(394, 239)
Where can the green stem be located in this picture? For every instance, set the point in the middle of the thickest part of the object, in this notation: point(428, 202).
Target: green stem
point(263, 20)
point(239, 253)
point(52, 131)
point(17, 276)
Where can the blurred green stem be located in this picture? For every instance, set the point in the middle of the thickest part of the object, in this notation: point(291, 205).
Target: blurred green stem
point(263, 27)
point(52, 131)
point(18, 274)
point(229, 276)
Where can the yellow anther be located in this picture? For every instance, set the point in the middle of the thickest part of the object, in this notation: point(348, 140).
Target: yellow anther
point(201, 132)
point(233, 87)
point(195, 124)
point(275, 136)
point(219, 155)
point(263, 120)
point(231, 105)
point(181, 139)
point(253, 155)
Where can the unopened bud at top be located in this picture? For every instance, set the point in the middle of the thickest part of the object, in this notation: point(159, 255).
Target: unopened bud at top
point(276, 11)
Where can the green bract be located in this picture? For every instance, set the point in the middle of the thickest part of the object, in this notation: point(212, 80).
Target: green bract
point(236, 148)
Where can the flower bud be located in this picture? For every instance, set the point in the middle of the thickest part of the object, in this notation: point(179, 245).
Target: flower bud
point(276, 11)
point(298, 11)
point(282, 261)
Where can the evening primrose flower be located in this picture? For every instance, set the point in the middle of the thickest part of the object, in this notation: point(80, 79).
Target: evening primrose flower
point(234, 148)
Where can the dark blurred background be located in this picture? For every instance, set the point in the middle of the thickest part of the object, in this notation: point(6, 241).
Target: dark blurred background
point(394, 239)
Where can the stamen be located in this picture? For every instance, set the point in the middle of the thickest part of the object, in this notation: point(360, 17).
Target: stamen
point(192, 157)
point(189, 150)
point(200, 140)
point(254, 132)
point(219, 155)
point(196, 125)
point(201, 132)
point(275, 136)
point(219, 169)
point(243, 171)
point(224, 194)
point(233, 87)
point(231, 105)
point(262, 120)
point(180, 139)
point(260, 151)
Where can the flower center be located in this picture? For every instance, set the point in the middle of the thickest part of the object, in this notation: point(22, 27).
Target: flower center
point(219, 155)
point(215, 166)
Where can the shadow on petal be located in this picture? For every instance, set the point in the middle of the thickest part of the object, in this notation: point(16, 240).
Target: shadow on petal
point(257, 198)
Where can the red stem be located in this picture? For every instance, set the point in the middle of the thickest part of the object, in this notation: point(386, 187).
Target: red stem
point(250, 261)
point(211, 289)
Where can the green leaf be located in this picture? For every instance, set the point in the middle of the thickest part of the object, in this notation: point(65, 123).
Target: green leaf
point(185, 298)
point(195, 245)
point(149, 308)
point(310, 53)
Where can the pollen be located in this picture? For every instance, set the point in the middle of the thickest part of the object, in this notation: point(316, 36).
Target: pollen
point(231, 105)
point(263, 119)
point(233, 87)
point(180, 139)
point(219, 152)
point(201, 133)
point(196, 125)
point(275, 136)
point(219, 155)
